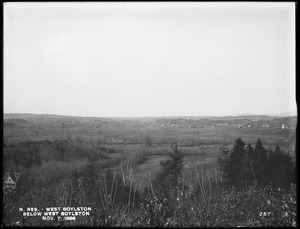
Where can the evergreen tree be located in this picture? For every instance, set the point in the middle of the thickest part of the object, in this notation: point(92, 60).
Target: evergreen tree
point(280, 169)
point(260, 160)
point(224, 162)
point(245, 165)
point(250, 173)
point(168, 178)
point(237, 163)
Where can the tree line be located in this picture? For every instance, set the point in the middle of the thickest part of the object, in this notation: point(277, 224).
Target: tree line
point(32, 153)
point(245, 165)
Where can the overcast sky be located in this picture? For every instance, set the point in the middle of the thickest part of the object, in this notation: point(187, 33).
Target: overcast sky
point(149, 59)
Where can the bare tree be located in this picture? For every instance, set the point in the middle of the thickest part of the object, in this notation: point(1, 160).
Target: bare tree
point(148, 141)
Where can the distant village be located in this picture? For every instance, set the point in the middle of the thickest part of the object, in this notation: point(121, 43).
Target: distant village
point(114, 130)
point(209, 123)
point(230, 122)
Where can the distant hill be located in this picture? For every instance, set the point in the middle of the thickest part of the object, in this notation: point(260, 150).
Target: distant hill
point(285, 114)
point(148, 118)
point(30, 116)
point(246, 114)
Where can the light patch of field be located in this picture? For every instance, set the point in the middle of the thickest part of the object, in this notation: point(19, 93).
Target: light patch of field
point(193, 156)
point(152, 165)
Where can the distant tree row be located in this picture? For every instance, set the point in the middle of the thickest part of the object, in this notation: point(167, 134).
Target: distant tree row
point(245, 165)
point(24, 153)
point(33, 153)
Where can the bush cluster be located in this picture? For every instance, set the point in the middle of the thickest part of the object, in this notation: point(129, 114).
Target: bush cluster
point(245, 165)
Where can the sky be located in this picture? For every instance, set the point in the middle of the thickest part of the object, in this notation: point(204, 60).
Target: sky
point(129, 59)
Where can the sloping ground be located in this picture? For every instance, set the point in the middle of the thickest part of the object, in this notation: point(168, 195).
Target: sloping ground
point(152, 166)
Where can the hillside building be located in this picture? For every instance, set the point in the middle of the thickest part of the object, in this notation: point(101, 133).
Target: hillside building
point(10, 181)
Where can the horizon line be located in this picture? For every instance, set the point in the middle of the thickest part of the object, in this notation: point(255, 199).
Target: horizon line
point(158, 116)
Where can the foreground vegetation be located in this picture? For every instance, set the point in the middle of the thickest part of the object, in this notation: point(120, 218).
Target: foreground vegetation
point(250, 187)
